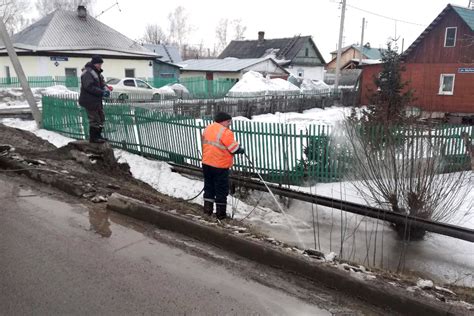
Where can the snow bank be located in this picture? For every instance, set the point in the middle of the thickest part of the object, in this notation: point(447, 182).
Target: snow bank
point(55, 90)
point(254, 83)
point(313, 85)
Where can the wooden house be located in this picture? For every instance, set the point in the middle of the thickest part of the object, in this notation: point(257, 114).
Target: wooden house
point(231, 69)
point(166, 66)
point(439, 65)
point(352, 54)
point(298, 55)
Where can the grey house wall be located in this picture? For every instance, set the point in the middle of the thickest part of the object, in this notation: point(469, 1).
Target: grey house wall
point(311, 59)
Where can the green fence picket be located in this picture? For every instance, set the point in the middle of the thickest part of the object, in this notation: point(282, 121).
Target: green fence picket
point(280, 152)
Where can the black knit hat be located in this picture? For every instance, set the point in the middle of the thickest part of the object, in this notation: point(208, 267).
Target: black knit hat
point(96, 59)
point(221, 117)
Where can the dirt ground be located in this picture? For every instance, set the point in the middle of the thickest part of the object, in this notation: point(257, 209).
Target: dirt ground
point(91, 169)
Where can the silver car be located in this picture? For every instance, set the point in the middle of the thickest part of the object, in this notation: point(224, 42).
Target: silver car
point(135, 88)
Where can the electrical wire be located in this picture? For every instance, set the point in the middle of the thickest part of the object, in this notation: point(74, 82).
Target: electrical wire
point(384, 16)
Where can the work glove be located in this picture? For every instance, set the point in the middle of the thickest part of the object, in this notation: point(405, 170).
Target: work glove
point(240, 151)
point(106, 93)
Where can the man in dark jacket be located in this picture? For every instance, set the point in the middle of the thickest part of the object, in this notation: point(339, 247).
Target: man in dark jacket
point(93, 89)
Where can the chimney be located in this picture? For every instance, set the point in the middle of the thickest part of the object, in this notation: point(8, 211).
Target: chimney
point(81, 12)
point(261, 37)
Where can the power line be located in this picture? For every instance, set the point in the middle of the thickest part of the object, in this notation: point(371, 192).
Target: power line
point(384, 16)
point(113, 5)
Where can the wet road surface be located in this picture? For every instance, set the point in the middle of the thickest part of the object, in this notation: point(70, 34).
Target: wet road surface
point(63, 258)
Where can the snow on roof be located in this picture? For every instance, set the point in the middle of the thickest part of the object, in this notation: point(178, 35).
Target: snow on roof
point(310, 85)
point(227, 64)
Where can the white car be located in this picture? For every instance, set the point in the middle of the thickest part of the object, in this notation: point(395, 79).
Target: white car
point(132, 87)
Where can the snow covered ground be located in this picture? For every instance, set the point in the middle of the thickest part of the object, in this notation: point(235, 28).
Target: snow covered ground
point(364, 240)
point(12, 98)
point(367, 241)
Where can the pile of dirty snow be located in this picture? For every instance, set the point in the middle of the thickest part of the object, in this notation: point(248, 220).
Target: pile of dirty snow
point(14, 97)
point(255, 84)
point(308, 85)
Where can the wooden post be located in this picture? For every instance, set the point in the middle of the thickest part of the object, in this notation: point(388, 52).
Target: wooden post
point(20, 74)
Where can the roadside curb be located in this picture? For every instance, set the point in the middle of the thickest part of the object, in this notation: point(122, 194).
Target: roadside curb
point(375, 292)
point(43, 176)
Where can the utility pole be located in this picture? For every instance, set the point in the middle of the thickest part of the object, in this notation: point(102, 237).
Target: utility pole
point(362, 42)
point(20, 73)
point(339, 48)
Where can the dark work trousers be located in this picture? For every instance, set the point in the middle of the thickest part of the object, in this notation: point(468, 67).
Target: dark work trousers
point(96, 118)
point(216, 184)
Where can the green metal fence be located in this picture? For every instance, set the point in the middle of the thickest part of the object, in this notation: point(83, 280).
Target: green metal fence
point(281, 152)
point(197, 86)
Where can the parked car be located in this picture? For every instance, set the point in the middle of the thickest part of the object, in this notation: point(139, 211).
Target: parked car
point(129, 87)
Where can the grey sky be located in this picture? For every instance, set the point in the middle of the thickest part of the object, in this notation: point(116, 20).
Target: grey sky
point(282, 18)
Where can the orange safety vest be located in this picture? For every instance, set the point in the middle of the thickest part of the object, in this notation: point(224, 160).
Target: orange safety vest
point(218, 145)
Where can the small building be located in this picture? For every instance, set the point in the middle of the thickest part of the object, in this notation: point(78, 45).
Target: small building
point(298, 55)
point(231, 69)
point(61, 43)
point(352, 54)
point(439, 65)
point(166, 66)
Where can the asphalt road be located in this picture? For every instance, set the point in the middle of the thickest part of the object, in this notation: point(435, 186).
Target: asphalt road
point(59, 257)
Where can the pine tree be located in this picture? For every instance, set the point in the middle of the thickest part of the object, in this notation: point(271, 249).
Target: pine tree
point(392, 96)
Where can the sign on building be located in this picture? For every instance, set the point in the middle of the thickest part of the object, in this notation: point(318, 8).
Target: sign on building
point(58, 58)
point(466, 70)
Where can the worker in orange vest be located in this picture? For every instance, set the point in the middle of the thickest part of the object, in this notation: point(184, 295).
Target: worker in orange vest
point(218, 149)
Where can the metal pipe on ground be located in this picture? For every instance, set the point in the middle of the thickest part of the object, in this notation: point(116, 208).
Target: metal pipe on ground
point(381, 214)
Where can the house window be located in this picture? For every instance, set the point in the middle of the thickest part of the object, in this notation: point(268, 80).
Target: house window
point(130, 73)
point(70, 72)
point(300, 73)
point(166, 75)
point(446, 84)
point(306, 52)
point(450, 37)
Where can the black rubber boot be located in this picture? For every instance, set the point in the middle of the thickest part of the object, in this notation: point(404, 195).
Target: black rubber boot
point(221, 211)
point(94, 136)
point(100, 134)
point(208, 208)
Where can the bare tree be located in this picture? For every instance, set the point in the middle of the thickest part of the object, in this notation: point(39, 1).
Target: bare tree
point(196, 51)
point(45, 7)
point(154, 34)
point(239, 29)
point(410, 169)
point(401, 164)
point(179, 28)
point(221, 34)
point(12, 13)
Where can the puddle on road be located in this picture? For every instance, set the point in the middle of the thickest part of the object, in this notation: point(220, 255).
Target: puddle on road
point(76, 214)
point(119, 231)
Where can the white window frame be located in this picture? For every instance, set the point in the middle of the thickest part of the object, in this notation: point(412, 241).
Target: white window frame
point(446, 35)
point(441, 81)
point(300, 73)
